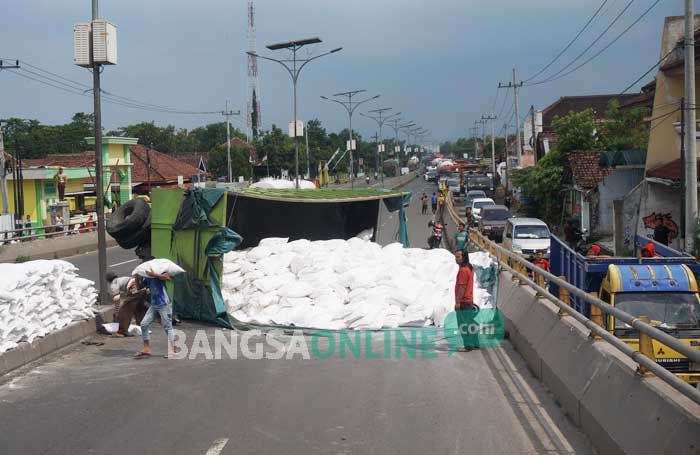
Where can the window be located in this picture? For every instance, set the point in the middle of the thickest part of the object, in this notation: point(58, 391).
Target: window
point(535, 231)
point(496, 214)
point(666, 310)
point(482, 204)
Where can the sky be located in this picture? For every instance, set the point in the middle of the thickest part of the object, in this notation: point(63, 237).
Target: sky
point(438, 62)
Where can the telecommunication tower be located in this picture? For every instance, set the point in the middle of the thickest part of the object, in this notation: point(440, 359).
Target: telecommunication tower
point(253, 96)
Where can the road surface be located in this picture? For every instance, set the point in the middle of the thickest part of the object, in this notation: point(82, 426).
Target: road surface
point(119, 261)
point(99, 400)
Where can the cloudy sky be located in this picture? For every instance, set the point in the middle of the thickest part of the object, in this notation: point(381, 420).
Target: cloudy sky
point(437, 61)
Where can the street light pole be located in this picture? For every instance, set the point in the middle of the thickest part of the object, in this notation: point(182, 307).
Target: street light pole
point(99, 184)
point(294, 72)
point(227, 113)
point(380, 121)
point(350, 106)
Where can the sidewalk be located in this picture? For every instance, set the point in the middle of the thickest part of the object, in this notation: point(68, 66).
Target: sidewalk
point(53, 248)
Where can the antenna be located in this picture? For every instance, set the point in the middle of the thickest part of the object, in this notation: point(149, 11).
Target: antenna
point(253, 114)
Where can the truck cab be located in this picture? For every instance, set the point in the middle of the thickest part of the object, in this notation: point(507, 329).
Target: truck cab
point(668, 295)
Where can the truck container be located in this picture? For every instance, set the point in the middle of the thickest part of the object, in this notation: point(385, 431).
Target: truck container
point(663, 288)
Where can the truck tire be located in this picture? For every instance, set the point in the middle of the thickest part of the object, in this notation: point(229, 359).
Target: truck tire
point(140, 237)
point(128, 219)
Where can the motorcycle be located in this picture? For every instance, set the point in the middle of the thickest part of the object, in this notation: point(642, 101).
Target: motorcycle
point(435, 238)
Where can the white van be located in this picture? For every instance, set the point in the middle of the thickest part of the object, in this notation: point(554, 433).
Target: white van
point(527, 236)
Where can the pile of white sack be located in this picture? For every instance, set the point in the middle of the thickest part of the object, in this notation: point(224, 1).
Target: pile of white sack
point(282, 184)
point(39, 297)
point(339, 284)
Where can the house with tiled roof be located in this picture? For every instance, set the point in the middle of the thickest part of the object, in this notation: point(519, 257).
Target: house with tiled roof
point(597, 179)
point(164, 171)
point(599, 104)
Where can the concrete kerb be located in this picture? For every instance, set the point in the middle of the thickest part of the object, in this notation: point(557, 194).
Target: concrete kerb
point(596, 384)
point(26, 353)
point(635, 413)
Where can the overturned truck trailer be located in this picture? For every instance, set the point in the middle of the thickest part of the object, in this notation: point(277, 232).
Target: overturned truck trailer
point(196, 227)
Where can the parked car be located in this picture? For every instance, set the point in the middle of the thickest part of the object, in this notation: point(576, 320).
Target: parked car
point(527, 236)
point(493, 221)
point(471, 195)
point(478, 204)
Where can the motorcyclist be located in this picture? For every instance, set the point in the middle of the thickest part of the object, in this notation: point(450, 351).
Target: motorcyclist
point(435, 238)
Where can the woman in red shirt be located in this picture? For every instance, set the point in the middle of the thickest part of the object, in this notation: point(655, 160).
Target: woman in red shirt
point(464, 296)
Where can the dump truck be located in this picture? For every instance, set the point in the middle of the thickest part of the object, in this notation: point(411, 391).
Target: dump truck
point(663, 288)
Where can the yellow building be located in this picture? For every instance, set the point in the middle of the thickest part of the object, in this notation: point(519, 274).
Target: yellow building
point(36, 191)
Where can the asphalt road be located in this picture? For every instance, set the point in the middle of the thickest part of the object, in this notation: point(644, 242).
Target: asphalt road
point(99, 400)
point(119, 261)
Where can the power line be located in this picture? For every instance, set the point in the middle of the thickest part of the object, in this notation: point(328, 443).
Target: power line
point(595, 41)
point(648, 71)
point(578, 35)
point(76, 88)
point(620, 35)
point(503, 107)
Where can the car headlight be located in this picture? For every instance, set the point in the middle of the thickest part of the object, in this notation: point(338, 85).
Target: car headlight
point(487, 228)
point(517, 248)
point(548, 250)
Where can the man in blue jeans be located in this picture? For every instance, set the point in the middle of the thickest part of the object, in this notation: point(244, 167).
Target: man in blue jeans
point(160, 303)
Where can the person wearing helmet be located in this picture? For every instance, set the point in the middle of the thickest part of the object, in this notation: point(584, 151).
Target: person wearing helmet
point(648, 250)
point(594, 251)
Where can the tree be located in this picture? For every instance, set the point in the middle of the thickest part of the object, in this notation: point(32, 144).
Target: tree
point(624, 129)
point(576, 131)
point(543, 183)
point(254, 115)
point(217, 163)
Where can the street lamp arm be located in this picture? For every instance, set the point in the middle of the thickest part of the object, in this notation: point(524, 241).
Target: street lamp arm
point(289, 70)
point(357, 104)
point(338, 102)
point(318, 56)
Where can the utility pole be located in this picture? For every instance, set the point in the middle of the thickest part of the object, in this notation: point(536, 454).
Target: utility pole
point(148, 168)
point(474, 132)
point(515, 86)
point(492, 118)
point(99, 183)
point(3, 178)
point(483, 141)
point(227, 113)
point(534, 134)
point(308, 157)
point(691, 164)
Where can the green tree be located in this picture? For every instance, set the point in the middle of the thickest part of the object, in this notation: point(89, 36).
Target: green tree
point(576, 131)
point(543, 183)
point(217, 163)
point(624, 129)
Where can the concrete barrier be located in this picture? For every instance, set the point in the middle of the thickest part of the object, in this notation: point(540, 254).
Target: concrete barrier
point(75, 331)
point(597, 385)
point(53, 248)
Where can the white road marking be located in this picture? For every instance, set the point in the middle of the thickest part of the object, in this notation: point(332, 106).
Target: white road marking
point(217, 446)
point(122, 263)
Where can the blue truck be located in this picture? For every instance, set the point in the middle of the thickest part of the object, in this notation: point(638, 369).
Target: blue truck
point(663, 288)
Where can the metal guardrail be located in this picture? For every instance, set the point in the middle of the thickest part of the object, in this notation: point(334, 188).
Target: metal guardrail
point(48, 231)
point(644, 362)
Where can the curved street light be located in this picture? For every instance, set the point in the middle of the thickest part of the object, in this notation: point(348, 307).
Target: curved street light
point(350, 106)
point(294, 71)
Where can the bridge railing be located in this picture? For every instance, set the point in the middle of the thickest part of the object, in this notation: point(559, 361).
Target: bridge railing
point(528, 273)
